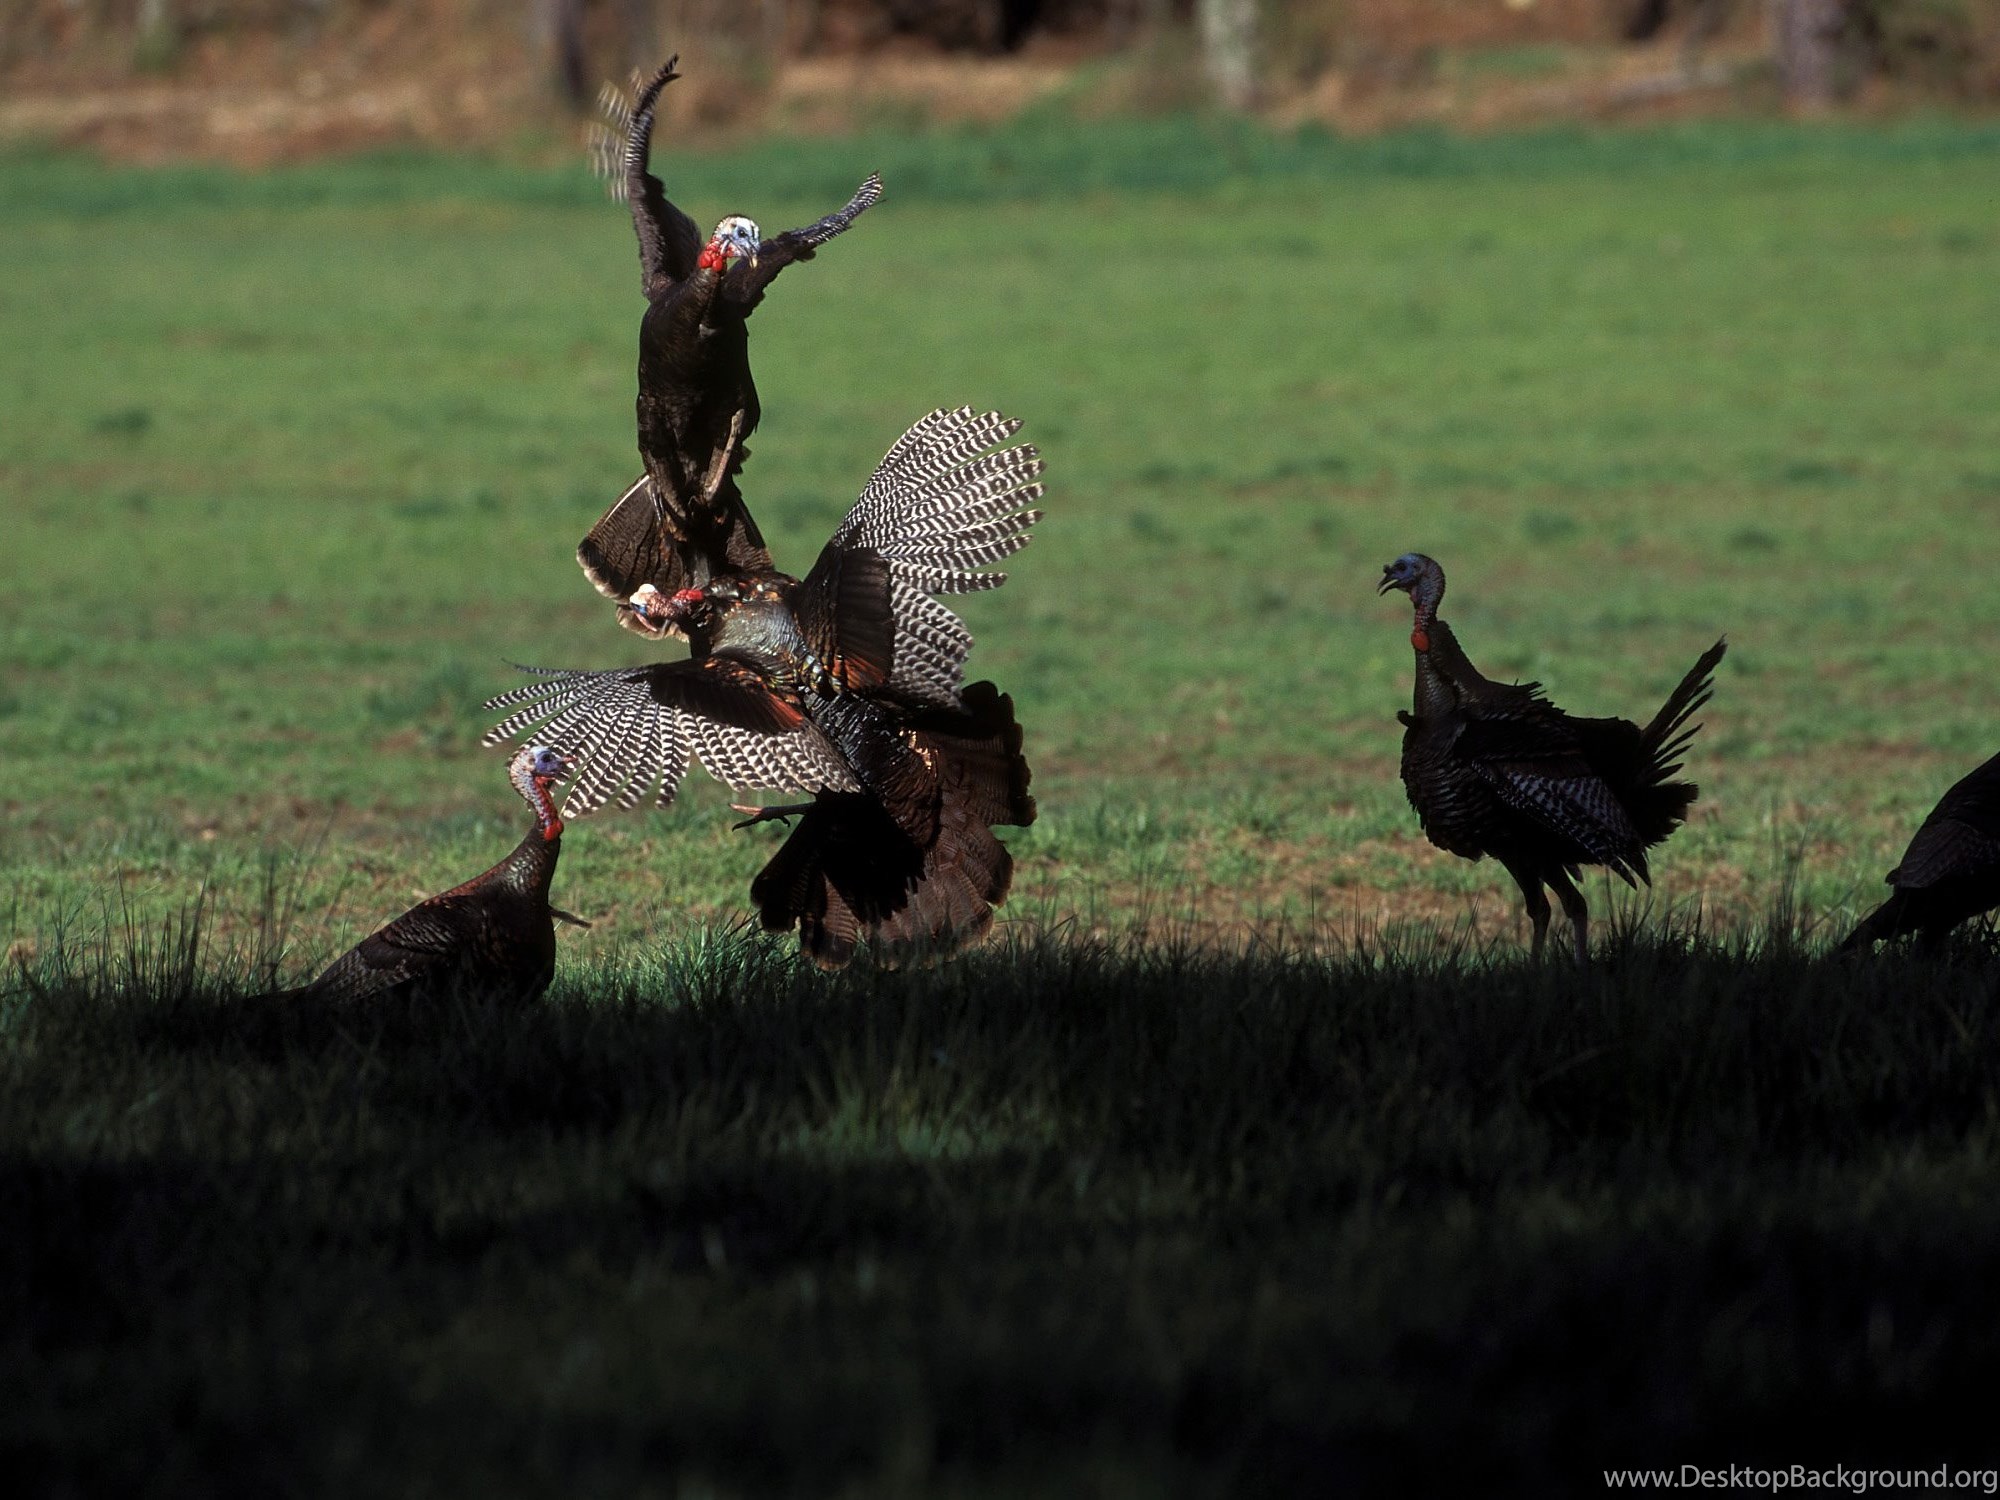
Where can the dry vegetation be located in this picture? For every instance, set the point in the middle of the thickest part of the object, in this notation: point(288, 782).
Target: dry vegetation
point(258, 81)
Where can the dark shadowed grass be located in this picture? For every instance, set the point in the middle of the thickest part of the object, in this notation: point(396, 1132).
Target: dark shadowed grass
point(1070, 1214)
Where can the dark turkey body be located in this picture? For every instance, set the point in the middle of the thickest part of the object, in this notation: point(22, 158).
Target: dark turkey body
point(491, 938)
point(1495, 768)
point(1614, 812)
point(694, 379)
point(1462, 814)
point(910, 861)
point(693, 387)
point(1951, 871)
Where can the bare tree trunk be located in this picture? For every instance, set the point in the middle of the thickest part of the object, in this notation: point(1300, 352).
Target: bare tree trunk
point(154, 36)
point(1229, 49)
point(571, 71)
point(640, 25)
point(776, 26)
point(1805, 43)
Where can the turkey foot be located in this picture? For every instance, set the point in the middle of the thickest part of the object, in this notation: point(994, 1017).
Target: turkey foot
point(767, 814)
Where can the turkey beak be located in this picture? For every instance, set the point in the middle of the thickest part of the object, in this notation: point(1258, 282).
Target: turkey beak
point(642, 604)
point(1388, 582)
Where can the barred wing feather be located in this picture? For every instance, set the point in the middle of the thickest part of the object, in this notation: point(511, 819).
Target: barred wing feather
point(669, 241)
point(1572, 802)
point(821, 230)
point(944, 506)
point(940, 507)
point(636, 729)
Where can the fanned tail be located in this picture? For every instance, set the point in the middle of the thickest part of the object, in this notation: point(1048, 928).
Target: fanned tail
point(848, 873)
point(1657, 803)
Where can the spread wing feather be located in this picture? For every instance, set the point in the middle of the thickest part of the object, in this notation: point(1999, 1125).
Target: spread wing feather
point(745, 282)
point(637, 727)
point(669, 241)
point(820, 231)
point(941, 506)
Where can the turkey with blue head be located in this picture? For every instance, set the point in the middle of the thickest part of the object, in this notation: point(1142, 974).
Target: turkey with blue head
point(1494, 768)
point(492, 937)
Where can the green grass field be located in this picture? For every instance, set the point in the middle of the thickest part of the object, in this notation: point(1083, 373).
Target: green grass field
point(294, 464)
point(1175, 1187)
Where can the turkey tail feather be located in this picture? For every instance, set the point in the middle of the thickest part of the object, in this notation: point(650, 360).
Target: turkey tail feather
point(1665, 739)
point(849, 872)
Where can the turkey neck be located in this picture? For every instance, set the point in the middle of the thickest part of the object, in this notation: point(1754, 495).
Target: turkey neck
point(1434, 697)
point(1445, 675)
point(533, 863)
point(1433, 700)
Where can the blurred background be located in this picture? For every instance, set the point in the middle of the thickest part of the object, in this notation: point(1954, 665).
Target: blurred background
point(253, 80)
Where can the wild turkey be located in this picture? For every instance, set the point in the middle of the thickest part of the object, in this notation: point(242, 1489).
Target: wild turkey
point(844, 684)
point(1950, 872)
point(1495, 768)
point(909, 863)
point(491, 937)
point(683, 521)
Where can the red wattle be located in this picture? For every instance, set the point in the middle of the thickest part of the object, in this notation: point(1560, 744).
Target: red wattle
point(710, 259)
point(1420, 639)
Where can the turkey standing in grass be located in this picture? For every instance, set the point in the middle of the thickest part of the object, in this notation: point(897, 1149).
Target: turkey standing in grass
point(1495, 768)
point(844, 684)
point(683, 521)
point(492, 937)
point(1950, 872)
